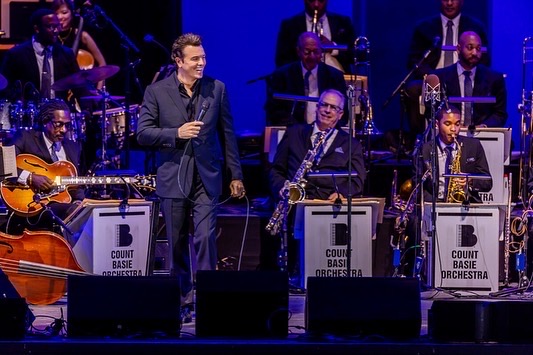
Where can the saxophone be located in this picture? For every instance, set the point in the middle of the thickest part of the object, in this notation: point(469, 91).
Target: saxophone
point(456, 192)
point(294, 191)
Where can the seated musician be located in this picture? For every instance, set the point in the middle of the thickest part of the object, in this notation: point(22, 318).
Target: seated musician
point(332, 156)
point(468, 156)
point(47, 143)
point(456, 155)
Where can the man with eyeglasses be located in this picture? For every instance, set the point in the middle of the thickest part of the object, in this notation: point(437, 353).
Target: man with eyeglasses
point(308, 77)
point(49, 143)
point(32, 67)
point(333, 156)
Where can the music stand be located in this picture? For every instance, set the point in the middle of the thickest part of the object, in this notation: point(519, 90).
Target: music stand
point(468, 177)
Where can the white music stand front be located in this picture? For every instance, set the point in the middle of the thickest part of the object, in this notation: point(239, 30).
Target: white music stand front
point(321, 228)
point(464, 253)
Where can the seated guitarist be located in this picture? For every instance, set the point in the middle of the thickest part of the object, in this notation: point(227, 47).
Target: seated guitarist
point(47, 141)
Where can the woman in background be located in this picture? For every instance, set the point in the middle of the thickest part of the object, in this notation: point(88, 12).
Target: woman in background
point(72, 35)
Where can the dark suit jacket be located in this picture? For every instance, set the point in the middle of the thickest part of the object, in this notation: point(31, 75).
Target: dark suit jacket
point(32, 142)
point(473, 160)
point(424, 34)
point(342, 33)
point(292, 150)
point(20, 63)
point(486, 83)
point(163, 112)
point(289, 80)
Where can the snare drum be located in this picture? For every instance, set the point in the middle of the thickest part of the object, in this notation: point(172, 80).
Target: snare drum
point(115, 121)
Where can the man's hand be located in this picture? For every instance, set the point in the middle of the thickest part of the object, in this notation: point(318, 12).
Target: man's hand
point(190, 130)
point(40, 182)
point(237, 189)
point(334, 196)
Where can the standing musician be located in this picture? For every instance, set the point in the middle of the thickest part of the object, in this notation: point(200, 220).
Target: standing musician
point(49, 144)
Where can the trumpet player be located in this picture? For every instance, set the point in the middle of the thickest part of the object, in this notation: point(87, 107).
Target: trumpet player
point(332, 28)
point(467, 156)
point(334, 156)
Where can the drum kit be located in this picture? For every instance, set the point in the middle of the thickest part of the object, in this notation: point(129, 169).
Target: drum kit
point(20, 115)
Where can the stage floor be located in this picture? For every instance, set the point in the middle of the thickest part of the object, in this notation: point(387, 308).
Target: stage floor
point(41, 340)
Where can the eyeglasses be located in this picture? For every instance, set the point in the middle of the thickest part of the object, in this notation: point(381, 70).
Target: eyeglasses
point(333, 108)
point(61, 124)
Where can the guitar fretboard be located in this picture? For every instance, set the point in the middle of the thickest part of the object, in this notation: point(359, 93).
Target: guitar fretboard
point(95, 180)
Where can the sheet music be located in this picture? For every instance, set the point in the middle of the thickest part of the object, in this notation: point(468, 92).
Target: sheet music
point(9, 161)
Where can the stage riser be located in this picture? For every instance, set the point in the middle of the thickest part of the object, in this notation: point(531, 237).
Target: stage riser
point(506, 321)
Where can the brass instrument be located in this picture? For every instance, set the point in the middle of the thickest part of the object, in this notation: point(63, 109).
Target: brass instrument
point(294, 191)
point(314, 25)
point(456, 192)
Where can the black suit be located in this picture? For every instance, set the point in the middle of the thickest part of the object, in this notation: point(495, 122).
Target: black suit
point(289, 80)
point(292, 150)
point(342, 33)
point(424, 36)
point(473, 160)
point(190, 170)
point(20, 63)
point(487, 82)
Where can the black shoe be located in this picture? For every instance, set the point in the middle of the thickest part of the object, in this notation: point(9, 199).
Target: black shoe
point(186, 313)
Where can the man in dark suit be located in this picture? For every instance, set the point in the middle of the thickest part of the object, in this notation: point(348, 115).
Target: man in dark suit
point(23, 64)
point(333, 29)
point(291, 79)
point(333, 156)
point(423, 39)
point(472, 159)
point(50, 144)
point(484, 82)
point(187, 116)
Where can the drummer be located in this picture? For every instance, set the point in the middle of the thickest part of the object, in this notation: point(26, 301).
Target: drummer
point(308, 77)
point(29, 75)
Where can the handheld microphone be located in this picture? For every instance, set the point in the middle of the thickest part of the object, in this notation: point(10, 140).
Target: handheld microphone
point(432, 88)
point(203, 111)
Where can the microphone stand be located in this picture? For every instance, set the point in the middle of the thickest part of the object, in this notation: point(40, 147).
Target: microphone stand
point(351, 99)
point(432, 234)
point(401, 88)
point(128, 46)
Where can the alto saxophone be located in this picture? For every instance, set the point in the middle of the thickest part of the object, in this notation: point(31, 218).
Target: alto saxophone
point(456, 192)
point(294, 191)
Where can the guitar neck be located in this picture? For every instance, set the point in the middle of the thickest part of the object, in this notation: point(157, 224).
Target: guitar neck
point(94, 180)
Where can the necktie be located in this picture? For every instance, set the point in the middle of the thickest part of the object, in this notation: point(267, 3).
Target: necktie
point(448, 55)
point(306, 82)
point(46, 78)
point(53, 151)
point(468, 92)
point(317, 136)
point(447, 168)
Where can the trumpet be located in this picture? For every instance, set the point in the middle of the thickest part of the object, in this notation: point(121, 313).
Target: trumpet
point(314, 26)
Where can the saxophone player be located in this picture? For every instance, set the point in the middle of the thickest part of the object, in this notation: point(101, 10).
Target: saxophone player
point(467, 156)
point(467, 153)
point(334, 156)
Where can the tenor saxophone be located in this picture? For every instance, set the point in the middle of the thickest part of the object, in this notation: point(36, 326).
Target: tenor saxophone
point(456, 192)
point(294, 191)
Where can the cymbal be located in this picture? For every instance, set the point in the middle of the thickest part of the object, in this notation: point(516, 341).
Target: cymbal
point(288, 97)
point(98, 97)
point(3, 82)
point(85, 77)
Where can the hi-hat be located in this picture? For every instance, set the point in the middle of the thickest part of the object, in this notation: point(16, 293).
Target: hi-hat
point(85, 77)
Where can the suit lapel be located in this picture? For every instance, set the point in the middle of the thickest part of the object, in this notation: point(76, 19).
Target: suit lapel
point(172, 90)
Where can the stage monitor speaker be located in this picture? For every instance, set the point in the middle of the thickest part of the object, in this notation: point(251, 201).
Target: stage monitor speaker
point(363, 306)
point(119, 306)
point(15, 316)
point(242, 304)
